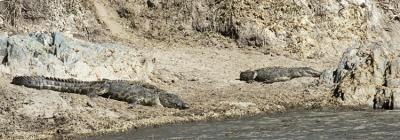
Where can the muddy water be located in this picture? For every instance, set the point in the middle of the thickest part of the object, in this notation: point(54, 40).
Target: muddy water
point(293, 125)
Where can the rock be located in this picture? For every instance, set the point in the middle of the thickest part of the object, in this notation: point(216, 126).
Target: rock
point(58, 39)
point(393, 75)
point(368, 75)
point(1, 22)
point(3, 47)
point(60, 56)
point(80, 69)
point(327, 76)
point(21, 49)
point(43, 38)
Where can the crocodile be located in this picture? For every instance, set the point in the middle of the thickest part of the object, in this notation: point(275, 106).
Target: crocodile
point(133, 92)
point(277, 74)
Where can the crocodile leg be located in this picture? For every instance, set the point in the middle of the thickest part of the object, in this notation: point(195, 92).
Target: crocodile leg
point(92, 93)
point(132, 102)
point(250, 81)
point(153, 101)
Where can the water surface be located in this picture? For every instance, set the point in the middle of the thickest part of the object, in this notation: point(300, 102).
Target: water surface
point(292, 125)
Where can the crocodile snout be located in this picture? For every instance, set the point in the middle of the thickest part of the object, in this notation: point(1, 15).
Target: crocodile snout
point(185, 106)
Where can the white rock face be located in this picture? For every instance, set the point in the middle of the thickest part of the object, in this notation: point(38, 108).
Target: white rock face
point(56, 56)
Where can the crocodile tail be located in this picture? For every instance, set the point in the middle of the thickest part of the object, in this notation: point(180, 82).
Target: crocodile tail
point(28, 81)
point(51, 83)
point(38, 82)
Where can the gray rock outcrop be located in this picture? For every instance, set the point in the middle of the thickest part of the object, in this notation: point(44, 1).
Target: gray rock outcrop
point(57, 56)
point(367, 75)
point(3, 47)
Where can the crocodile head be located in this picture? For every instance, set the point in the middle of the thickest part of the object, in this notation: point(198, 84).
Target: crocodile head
point(172, 101)
point(248, 75)
point(306, 71)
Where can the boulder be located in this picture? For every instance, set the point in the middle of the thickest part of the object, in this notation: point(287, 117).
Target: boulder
point(3, 47)
point(55, 55)
point(367, 75)
point(327, 76)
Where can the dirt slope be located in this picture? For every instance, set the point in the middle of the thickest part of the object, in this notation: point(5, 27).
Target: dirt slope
point(297, 29)
point(110, 18)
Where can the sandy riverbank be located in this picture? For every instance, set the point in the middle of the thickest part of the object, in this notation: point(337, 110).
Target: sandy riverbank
point(206, 78)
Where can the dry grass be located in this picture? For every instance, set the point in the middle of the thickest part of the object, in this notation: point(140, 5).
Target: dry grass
point(11, 11)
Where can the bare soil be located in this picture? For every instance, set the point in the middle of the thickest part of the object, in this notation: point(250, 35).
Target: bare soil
point(204, 77)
